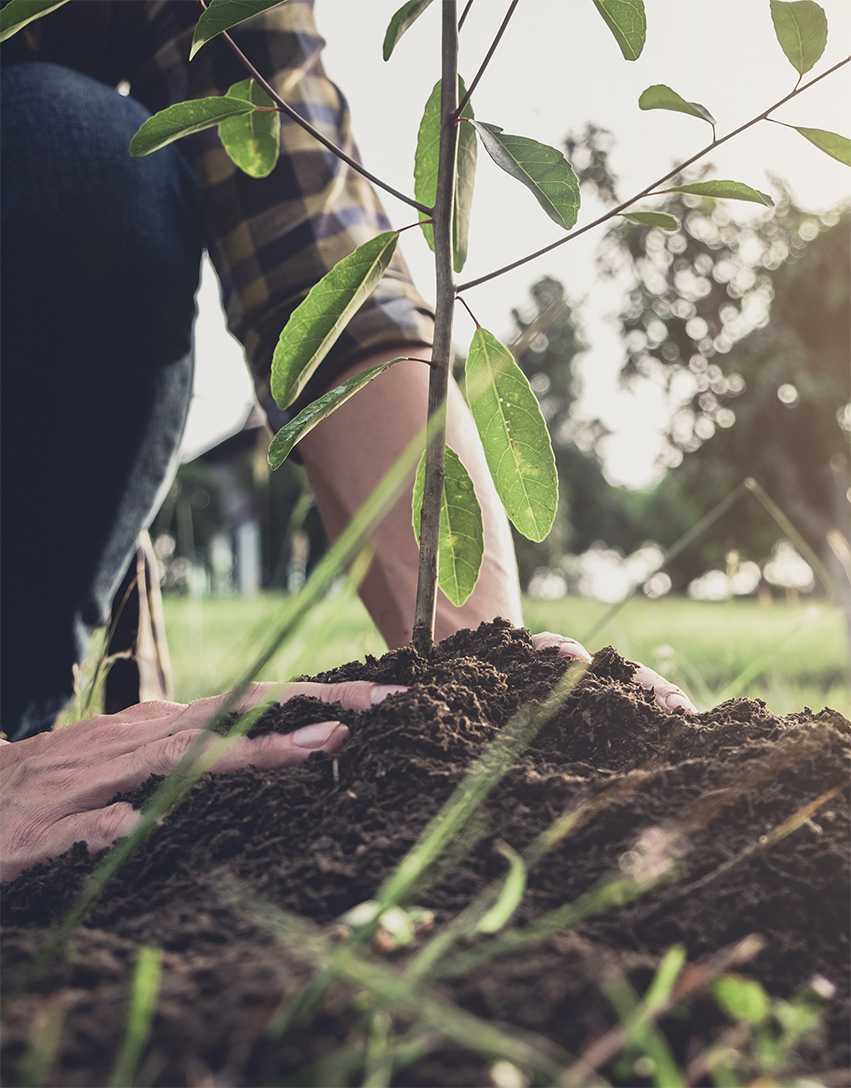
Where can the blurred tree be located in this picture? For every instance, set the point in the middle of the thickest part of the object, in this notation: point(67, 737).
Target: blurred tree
point(747, 327)
point(548, 343)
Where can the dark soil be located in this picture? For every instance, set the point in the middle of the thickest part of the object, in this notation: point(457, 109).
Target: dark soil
point(317, 845)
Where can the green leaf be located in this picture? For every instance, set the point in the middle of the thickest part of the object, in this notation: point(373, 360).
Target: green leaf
point(315, 325)
point(221, 15)
point(742, 999)
point(293, 432)
point(512, 893)
point(17, 13)
point(541, 168)
point(838, 147)
point(801, 29)
point(660, 97)
point(425, 172)
point(514, 435)
point(465, 180)
point(653, 219)
point(724, 190)
point(628, 23)
point(461, 541)
point(252, 141)
point(404, 17)
point(183, 118)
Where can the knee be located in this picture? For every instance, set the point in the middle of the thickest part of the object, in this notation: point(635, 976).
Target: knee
point(72, 184)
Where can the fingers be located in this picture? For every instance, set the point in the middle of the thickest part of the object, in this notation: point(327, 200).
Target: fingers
point(100, 781)
point(57, 785)
point(668, 696)
point(35, 830)
point(567, 647)
point(269, 752)
point(98, 829)
point(352, 694)
point(88, 763)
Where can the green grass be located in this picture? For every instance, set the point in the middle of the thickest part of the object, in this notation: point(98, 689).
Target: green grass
point(212, 640)
point(798, 653)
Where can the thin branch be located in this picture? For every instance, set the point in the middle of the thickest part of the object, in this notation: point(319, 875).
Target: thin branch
point(488, 56)
point(332, 147)
point(419, 223)
point(660, 181)
point(464, 13)
point(469, 311)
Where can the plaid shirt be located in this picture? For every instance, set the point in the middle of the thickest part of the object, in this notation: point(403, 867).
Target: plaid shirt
point(270, 239)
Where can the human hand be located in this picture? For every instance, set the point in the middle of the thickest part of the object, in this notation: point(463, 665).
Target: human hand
point(56, 786)
point(667, 695)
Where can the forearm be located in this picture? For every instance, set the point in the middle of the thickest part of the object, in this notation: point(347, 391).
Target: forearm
point(347, 455)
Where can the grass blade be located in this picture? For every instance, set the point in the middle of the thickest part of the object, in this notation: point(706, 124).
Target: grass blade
point(378, 1063)
point(44, 1040)
point(641, 1033)
point(339, 1067)
point(512, 892)
point(144, 992)
point(482, 777)
point(393, 991)
point(689, 981)
point(608, 894)
point(789, 529)
point(464, 923)
point(316, 324)
point(347, 546)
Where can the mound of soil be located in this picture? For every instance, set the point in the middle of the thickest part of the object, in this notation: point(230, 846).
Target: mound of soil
point(320, 839)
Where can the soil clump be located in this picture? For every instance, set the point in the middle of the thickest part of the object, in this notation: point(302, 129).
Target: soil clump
point(703, 790)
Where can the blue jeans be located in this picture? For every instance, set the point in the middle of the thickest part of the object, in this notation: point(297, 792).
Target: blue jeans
point(99, 263)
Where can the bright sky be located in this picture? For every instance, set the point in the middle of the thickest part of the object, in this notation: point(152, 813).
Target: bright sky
point(556, 69)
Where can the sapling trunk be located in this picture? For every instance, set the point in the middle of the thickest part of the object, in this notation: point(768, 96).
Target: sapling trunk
point(423, 637)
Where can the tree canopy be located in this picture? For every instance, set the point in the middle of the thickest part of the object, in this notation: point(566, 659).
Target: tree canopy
point(748, 327)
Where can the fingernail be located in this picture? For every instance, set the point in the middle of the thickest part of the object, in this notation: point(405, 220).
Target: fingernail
point(314, 736)
point(673, 701)
point(380, 692)
point(576, 653)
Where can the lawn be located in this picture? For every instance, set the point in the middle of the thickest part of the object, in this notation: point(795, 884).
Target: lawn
point(790, 655)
